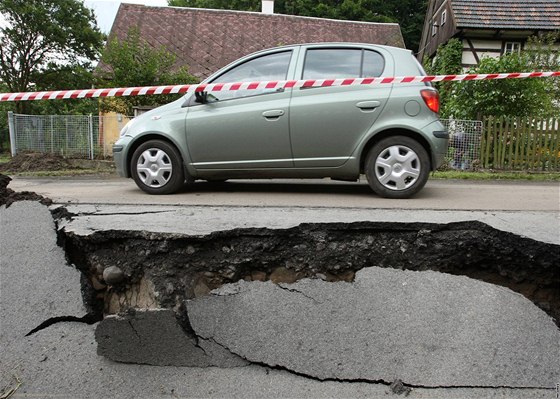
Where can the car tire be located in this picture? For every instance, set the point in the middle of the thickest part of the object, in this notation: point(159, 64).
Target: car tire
point(157, 168)
point(397, 167)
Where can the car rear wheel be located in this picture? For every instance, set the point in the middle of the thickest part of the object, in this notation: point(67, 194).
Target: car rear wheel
point(397, 167)
point(157, 168)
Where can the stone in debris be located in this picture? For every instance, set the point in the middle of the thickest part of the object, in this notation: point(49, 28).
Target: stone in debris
point(113, 275)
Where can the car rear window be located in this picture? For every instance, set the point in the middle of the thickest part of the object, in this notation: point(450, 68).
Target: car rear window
point(342, 63)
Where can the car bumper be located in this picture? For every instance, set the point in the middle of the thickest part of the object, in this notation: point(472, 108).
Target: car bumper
point(120, 156)
point(439, 138)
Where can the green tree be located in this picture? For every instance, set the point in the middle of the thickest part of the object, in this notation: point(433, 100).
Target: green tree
point(446, 62)
point(45, 35)
point(133, 62)
point(408, 13)
point(4, 131)
point(544, 54)
point(69, 78)
point(535, 97)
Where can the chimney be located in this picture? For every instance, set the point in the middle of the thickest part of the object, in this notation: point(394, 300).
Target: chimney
point(268, 6)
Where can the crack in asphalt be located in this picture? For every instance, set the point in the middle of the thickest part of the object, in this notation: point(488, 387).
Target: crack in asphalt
point(285, 287)
point(134, 329)
point(89, 318)
point(101, 213)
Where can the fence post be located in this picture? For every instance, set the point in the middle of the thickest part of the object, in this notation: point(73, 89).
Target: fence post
point(12, 129)
point(90, 120)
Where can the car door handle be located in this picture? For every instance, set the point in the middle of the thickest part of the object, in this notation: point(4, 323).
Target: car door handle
point(368, 105)
point(273, 114)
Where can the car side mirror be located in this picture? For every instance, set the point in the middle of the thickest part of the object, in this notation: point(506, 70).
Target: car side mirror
point(201, 97)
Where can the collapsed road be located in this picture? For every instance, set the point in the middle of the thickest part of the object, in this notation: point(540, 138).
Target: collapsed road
point(425, 304)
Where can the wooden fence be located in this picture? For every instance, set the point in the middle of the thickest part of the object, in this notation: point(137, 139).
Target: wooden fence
point(521, 144)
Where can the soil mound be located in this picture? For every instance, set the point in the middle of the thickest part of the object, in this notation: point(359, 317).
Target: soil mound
point(34, 161)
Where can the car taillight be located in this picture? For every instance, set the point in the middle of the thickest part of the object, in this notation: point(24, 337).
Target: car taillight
point(431, 98)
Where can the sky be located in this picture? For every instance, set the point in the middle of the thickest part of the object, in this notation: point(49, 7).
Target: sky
point(106, 10)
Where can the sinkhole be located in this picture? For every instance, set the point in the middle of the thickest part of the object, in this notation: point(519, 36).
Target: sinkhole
point(124, 270)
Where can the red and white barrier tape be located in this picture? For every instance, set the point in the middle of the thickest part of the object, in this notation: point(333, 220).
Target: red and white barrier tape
point(283, 84)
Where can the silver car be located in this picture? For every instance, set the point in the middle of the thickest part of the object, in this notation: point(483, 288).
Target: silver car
point(389, 132)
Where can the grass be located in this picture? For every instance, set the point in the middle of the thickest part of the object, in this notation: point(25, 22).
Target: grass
point(5, 158)
point(8, 392)
point(494, 175)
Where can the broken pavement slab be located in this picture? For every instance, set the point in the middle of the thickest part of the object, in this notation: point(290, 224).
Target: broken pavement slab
point(85, 219)
point(155, 337)
point(427, 329)
point(28, 238)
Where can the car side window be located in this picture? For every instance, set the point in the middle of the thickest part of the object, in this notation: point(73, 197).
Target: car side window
point(268, 67)
point(373, 64)
point(342, 63)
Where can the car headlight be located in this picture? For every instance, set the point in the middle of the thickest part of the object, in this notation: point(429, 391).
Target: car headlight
point(125, 128)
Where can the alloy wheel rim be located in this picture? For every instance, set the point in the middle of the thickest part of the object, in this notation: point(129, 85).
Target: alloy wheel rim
point(397, 167)
point(154, 167)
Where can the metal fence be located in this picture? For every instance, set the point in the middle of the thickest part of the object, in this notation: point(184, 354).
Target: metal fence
point(88, 136)
point(73, 136)
point(463, 152)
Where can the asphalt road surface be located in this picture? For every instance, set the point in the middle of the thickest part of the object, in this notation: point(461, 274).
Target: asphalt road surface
point(60, 361)
point(437, 195)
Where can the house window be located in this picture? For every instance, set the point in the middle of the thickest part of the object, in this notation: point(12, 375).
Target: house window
point(512, 47)
point(434, 29)
point(443, 17)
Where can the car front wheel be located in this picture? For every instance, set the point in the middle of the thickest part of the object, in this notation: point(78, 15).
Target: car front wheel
point(397, 167)
point(157, 168)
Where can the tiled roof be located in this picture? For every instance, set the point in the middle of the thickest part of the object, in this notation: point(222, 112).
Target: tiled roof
point(507, 14)
point(207, 40)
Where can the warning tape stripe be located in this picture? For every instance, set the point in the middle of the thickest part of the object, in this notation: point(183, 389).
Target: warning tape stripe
point(282, 84)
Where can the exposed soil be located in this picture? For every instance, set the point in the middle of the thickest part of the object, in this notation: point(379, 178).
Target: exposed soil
point(9, 196)
point(33, 161)
point(183, 267)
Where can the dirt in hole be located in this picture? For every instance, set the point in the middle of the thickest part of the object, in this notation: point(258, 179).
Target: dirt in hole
point(165, 269)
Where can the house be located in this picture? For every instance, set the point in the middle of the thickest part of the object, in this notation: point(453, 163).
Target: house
point(207, 40)
point(486, 27)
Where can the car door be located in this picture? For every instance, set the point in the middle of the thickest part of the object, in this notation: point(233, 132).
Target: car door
point(246, 128)
point(327, 123)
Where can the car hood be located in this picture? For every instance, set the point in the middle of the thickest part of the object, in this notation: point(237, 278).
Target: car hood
point(163, 109)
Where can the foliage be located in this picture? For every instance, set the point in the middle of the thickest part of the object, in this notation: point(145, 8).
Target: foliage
point(536, 97)
point(446, 62)
point(42, 35)
point(4, 131)
point(408, 13)
point(133, 62)
point(495, 175)
point(46, 45)
point(506, 97)
point(67, 78)
point(543, 54)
